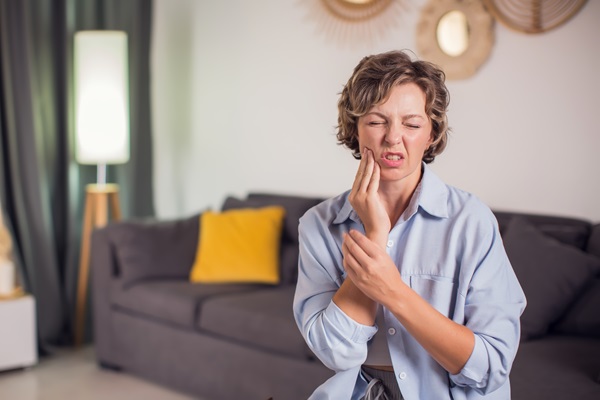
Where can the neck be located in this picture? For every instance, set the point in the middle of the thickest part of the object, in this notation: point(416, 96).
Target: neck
point(397, 195)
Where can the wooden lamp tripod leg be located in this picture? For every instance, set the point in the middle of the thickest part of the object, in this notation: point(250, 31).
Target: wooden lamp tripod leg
point(95, 216)
point(84, 257)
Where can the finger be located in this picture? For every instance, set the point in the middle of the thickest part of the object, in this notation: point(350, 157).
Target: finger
point(348, 261)
point(375, 178)
point(373, 186)
point(353, 268)
point(368, 249)
point(354, 249)
point(360, 172)
point(347, 253)
point(345, 249)
point(363, 177)
point(368, 173)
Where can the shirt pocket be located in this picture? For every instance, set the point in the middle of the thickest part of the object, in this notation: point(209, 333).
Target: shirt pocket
point(438, 291)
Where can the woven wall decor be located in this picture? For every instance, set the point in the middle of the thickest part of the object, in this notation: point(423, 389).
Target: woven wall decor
point(356, 10)
point(478, 31)
point(533, 16)
point(355, 21)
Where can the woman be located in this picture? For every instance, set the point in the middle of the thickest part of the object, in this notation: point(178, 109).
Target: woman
point(404, 287)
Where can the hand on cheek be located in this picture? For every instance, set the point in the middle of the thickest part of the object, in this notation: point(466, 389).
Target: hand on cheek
point(365, 199)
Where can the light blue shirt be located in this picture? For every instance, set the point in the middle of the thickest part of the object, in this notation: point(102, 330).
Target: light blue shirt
point(448, 249)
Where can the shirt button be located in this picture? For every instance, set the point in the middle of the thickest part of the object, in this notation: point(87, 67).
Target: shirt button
point(392, 331)
point(390, 243)
point(402, 375)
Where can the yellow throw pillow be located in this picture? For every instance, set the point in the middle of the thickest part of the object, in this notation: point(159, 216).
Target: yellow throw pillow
point(239, 245)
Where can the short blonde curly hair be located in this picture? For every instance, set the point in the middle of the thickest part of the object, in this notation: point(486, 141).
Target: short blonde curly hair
point(371, 83)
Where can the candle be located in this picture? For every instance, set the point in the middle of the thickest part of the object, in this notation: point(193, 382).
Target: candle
point(7, 278)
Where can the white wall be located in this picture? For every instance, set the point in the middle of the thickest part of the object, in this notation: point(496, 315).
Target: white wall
point(245, 93)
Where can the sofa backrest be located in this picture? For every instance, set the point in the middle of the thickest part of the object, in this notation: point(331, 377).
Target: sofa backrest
point(571, 231)
point(593, 244)
point(295, 207)
point(557, 261)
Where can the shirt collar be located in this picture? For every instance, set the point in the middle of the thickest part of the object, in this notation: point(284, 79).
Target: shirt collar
point(346, 211)
point(431, 195)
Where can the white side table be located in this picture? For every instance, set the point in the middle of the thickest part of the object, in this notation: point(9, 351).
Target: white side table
point(18, 344)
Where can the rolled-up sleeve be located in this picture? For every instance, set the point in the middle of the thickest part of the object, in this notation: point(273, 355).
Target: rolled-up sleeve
point(336, 339)
point(493, 305)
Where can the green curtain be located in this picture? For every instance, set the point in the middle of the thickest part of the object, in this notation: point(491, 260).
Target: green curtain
point(41, 185)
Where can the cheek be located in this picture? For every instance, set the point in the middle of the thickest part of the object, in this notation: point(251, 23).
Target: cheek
point(363, 140)
point(420, 142)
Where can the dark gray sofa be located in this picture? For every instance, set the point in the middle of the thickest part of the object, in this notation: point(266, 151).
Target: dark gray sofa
point(240, 341)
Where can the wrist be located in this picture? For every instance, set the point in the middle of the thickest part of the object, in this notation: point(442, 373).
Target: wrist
point(379, 238)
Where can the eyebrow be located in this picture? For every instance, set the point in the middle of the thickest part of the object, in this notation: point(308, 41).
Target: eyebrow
point(404, 118)
point(376, 113)
point(410, 116)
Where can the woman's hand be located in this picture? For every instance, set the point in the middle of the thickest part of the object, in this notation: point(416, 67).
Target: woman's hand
point(373, 272)
point(366, 201)
point(370, 268)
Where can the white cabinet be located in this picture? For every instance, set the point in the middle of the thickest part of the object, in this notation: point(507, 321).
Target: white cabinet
point(18, 344)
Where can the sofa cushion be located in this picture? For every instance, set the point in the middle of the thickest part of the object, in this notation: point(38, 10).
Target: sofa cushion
point(556, 367)
point(552, 274)
point(240, 245)
point(154, 249)
point(295, 207)
point(263, 319)
point(177, 302)
point(583, 317)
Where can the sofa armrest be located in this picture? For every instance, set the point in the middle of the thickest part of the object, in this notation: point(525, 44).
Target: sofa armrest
point(126, 252)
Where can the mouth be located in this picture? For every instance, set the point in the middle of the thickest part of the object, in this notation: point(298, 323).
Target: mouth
point(392, 160)
point(393, 156)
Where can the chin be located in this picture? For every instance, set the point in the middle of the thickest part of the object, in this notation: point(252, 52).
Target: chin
point(393, 177)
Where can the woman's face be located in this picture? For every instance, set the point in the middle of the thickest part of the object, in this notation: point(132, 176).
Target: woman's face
point(398, 132)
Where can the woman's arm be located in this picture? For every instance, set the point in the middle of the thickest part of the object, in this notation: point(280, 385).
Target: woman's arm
point(375, 274)
point(339, 341)
point(365, 200)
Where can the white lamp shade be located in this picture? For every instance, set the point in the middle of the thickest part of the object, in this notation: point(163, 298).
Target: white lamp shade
point(101, 97)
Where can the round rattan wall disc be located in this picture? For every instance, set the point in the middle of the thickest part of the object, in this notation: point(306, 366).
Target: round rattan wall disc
point(533, 16)
point(356, 10)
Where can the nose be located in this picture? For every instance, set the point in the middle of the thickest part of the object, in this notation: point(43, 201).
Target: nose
point(393, 135)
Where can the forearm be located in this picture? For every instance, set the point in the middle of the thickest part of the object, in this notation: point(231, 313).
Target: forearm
point(355, 304)
point(351, 299)
point(336, 339)
point(449, 343)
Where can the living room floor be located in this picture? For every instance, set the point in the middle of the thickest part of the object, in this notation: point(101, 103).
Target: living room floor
point(74, 374)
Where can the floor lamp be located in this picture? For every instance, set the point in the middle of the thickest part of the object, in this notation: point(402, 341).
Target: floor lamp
point(102, 137)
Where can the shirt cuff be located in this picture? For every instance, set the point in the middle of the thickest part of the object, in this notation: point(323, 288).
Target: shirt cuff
point(347, 327)
point(475, 371)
